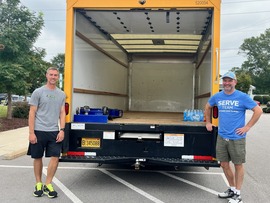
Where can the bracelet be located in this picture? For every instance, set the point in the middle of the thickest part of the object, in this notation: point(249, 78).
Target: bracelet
point(63, 129)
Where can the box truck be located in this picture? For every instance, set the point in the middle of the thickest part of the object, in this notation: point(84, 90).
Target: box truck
point(137, 76)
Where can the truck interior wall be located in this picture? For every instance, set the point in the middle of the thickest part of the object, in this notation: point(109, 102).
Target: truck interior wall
point(96, 71)
point(161, 86)
point(204, 75)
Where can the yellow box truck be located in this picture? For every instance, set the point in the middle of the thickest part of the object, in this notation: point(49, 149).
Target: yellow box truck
point(152, 64)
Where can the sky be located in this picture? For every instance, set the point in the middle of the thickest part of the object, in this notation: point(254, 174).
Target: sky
point(240, 19)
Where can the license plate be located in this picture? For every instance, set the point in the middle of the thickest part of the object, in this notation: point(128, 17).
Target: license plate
point(90, 142)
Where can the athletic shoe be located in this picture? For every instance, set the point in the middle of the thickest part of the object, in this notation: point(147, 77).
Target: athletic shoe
point(227, 194)
point(38, 190)
point(236, 199)
point(49, 191)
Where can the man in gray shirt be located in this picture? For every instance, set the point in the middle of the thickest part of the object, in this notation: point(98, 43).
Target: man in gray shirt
point(47, 111)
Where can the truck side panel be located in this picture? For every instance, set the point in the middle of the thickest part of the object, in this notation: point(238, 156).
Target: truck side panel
point(95, 71)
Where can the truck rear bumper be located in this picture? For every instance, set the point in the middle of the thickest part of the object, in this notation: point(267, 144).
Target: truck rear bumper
point(143, 161)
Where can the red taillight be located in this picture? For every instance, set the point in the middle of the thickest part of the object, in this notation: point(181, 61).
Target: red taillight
point(215, 112)
point(67, 108)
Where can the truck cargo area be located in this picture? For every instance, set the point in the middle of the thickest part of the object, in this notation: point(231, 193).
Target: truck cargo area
point(152, 63)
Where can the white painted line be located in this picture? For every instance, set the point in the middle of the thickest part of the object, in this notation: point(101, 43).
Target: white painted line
point(190, 183)
point(194, 172)
point(136, 189)
point(65, 190)
point(225, 179)
point(150, 171)
point(11, 166)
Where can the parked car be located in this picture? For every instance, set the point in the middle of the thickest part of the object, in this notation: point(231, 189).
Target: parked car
point(16, 98)
point(3, 97)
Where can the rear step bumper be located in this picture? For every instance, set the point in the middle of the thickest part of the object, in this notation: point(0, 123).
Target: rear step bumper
point(132, 160)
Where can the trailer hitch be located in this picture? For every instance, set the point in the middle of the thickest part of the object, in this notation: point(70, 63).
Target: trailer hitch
point(138, 164)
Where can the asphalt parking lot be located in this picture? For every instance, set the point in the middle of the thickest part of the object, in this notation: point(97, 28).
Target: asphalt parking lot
point(110, 183)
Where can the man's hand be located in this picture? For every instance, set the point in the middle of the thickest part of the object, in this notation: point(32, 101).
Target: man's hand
point(209, 126)
point(32, 138)
point(60, 136)
point(243, 130)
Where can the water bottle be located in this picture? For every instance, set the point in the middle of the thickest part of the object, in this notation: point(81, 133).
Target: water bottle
point(201, 115)
point(188, 115)
point(196, 115)
point(185, 115)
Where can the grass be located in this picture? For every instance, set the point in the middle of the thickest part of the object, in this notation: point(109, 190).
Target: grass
point(3, 111)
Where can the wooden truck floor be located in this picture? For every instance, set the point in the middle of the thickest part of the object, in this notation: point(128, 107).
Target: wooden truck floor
point(168, 118)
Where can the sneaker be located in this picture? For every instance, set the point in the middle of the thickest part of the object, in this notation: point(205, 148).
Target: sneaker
point(236, 199)
point(49, 191)
point(38, 190)
point(227, 194)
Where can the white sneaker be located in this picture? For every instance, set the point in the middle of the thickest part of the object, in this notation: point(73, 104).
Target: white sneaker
point(236, 199)
point(227, 194)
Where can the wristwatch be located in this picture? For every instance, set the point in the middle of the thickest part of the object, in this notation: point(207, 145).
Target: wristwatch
point(63, 129)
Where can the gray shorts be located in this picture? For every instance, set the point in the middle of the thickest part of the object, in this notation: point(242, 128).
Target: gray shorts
point(231, 150)
point(46, 142)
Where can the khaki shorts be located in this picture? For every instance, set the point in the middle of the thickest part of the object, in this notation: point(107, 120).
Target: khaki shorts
point(231, 150)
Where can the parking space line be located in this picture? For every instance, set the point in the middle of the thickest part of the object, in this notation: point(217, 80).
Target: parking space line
point(74, 198)
point(65, 190)
point(225, 179)
point(190, 183)
point(136, 189)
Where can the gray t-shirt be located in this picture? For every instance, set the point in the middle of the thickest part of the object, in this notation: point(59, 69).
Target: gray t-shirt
point(49, 103)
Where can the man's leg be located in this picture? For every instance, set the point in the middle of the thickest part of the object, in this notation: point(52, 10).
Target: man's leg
point(52, 167)
point(228, 173)
point(38, 165)
point(239, 175)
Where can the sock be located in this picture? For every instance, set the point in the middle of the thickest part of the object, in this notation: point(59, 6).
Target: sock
point(233, 189)
point(237, 191)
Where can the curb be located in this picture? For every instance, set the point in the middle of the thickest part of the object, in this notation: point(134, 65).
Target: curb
point(15, 154)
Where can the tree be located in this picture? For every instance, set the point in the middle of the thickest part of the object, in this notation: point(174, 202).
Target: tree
point(244, 79)
point(19, 30)
point(257, 50)
point(37, 67)
point(59, 62)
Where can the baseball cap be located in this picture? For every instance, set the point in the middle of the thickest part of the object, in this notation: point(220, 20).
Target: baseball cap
point(229, 75)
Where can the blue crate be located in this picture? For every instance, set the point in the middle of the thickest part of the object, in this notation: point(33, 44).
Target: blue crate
point(115, 113)
point(91, 118)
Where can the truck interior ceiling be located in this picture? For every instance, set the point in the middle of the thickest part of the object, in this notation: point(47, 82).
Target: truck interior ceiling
point(175, 32)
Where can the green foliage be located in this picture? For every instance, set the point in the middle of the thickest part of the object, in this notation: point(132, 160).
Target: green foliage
point(12, 78)
point(19, 30)
point(257, 51)
point(243, 81)
point(262, 99)
point(20, 110)
point(266, 110)
point(266, 99)
point(19, 60)
point(59, 61)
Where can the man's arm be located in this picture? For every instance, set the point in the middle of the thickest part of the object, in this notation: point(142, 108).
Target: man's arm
point(207, 112)
point(62, 118)
point(257, 112)
point(31, 123)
